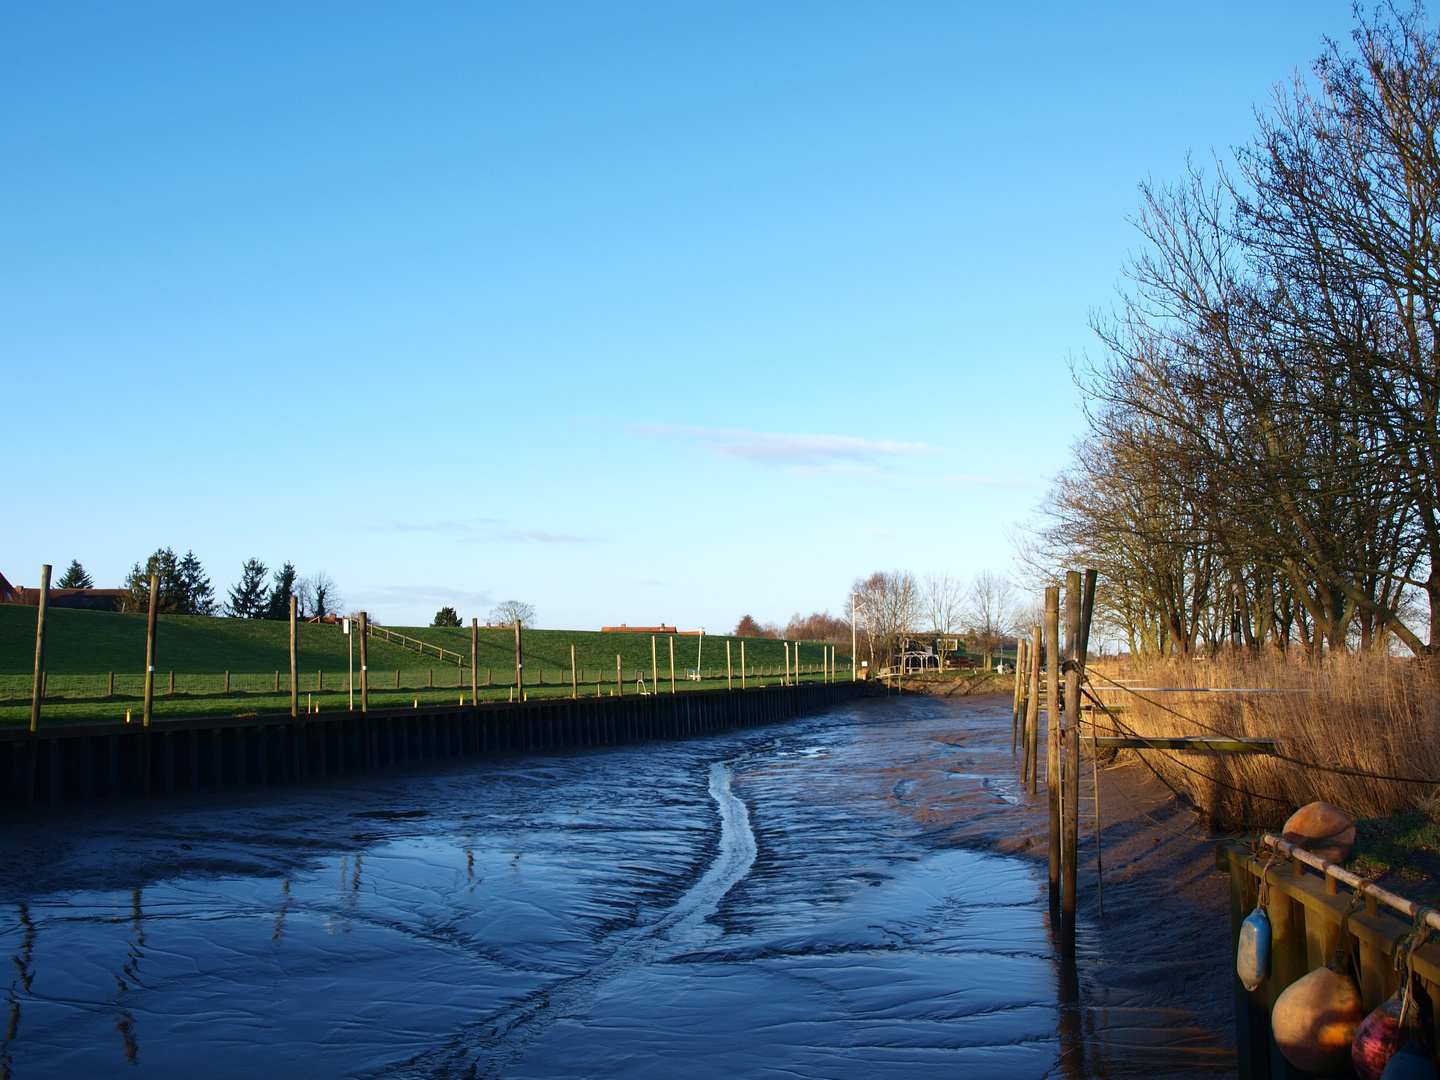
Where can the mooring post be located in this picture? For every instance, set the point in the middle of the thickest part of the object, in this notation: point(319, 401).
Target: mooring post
point(294, 665)
point(1052, 731)
point(654, 666)
point(574, 676)
point(729, 671)
point(1015, 702)
point(475, 657)
point(37, 691)
point(1070, 755)
point(150, 625)
point(519, 666)
point(364, 662)
point(619, 677)
point(742, 663)
point(1032, 710)
point(672, 663)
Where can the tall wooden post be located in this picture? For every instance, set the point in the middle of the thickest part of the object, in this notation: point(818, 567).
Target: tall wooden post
point(619, 677)
point(1015, 703)
point(1070, 755)
point(37, 690)
point(742, 663)
point(364, 662)
point(574, 676)
point(150, 626)
point(654, 666)
point(475, 659)
point(1052, 731)
point(672, 663)
point(294, 664)
point(729, 671)
point(519, 666)
point(1032, 710)
point(786, 644)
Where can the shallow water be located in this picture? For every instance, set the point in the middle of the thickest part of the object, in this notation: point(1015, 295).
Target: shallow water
point(759, 903)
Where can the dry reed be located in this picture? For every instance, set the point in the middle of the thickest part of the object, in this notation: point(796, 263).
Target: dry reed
point(1361, 713)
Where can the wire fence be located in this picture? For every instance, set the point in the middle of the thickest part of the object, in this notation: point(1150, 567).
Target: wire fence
point(449, 676)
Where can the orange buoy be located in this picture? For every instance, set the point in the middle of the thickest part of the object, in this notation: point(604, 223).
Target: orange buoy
point(1315, 1019)
point(1322, 829)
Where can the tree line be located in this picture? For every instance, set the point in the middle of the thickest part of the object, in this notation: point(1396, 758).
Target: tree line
point(1262, 460)
point(184, 588)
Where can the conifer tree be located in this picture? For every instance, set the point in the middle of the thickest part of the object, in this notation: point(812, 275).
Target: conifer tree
point(76, 577)
point(250, 598)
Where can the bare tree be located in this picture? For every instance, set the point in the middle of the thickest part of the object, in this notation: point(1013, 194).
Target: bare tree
point(510, 612)
point(943, 602)
point(889, 608)
point(990, 611)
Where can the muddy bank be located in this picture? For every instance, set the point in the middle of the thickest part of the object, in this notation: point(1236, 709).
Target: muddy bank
point(860, 894)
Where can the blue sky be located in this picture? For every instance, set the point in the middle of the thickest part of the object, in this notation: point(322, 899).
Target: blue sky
point(636, 312)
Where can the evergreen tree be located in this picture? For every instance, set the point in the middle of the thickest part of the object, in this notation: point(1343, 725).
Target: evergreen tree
point(164, 566)
point(76, 577)
point(194, 593)
point(280, 593)
point(250, 599)
point(446, 617)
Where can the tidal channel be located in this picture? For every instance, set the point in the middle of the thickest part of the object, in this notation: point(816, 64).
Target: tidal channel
point(769, 902)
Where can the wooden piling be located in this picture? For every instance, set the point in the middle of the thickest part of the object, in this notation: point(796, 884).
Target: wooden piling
point(672, 664)
point(1070, 753)
point(1015, 703)
point(475, 656)
point(742, 665)
point(519, 667)
point(150, 625)
point(37, 690)
point(729, 671)
point(294, 663)
point(654, 666)
point(574, 676)
point(619, 677)
point(364, 662)
point(1052, 731)
point(1032, 711)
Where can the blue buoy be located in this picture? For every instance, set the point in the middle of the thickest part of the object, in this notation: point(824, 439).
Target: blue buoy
point(1410, 1062)
point(1252, 955)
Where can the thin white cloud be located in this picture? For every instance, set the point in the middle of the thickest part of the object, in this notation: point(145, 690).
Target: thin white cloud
point(482, 530)
point(838, 454)
point(540, 536)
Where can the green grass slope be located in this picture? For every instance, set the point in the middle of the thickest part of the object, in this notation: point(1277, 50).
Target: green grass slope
point(94, 642)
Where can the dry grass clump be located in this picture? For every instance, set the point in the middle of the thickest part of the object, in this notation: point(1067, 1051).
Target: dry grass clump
point(1364, 713)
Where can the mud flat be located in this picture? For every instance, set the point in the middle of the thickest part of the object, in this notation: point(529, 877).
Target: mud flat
point(860, 893)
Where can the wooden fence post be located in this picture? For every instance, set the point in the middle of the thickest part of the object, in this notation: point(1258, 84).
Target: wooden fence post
point(150, 625)
point(37, 690)
point(474, 659)
point(1052, 731)
point(294, 664)
point(364, 662)
point(1070, 755)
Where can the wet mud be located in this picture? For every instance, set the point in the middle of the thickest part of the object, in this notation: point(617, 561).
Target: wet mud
point(858, 894)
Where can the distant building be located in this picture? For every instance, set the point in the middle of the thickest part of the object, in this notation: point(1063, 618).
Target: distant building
point(622, 628)
point(89, 599)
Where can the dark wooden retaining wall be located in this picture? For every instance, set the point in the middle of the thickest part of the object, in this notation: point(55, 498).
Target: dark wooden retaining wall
point(79, 762)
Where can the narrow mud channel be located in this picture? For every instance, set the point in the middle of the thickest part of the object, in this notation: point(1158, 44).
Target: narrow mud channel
point(820, 899)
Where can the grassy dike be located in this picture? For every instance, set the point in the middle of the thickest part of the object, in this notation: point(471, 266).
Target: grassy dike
point(92, 643)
